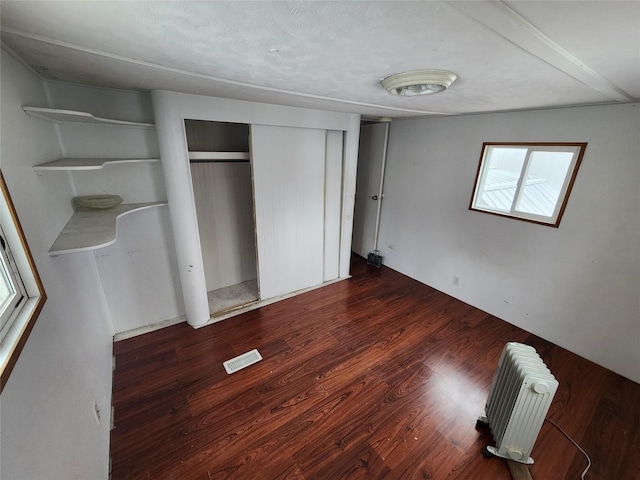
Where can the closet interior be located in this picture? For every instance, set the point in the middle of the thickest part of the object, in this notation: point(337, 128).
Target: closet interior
point(220, 165)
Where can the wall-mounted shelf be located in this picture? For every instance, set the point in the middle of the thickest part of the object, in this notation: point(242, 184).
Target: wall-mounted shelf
point(87, 163)
point(219, 156)
point(90, 229)
point(58, 115)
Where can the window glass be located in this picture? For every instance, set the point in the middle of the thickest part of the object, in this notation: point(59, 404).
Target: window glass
point(526, 181)
point(543, 182)
point(501, 177)
point(7, 292)
point(11, 288)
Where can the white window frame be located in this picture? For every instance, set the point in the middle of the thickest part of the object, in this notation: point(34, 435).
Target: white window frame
point(11, 277)
point(17, 257)
point(483, 168)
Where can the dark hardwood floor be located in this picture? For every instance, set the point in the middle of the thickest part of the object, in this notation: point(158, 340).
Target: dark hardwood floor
point(376, 377)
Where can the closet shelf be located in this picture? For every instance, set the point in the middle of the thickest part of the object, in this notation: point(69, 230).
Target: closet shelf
point(90, 229)
point(221, 156)
point(58, 115)
point(87, 163)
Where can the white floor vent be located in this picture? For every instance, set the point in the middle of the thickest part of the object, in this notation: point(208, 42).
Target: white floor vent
point(241, 361)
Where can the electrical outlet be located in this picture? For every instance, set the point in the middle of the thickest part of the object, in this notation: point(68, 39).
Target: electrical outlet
point(456, 280)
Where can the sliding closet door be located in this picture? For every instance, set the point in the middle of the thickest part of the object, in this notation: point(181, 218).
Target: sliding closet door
point(333, 204)
point(289, 189)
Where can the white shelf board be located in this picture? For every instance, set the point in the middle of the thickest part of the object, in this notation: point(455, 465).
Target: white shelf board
point(58, 115)
point(227, 156)
point(89, 229)
point(87, 163)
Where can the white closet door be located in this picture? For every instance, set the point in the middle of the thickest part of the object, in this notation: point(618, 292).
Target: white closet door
point(289, 183)
point(333, 205)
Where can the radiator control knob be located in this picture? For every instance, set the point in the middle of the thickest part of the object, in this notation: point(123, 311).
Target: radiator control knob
point(540, 387)
point(515, 453)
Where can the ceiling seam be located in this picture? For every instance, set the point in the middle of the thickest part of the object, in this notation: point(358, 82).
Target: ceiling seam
point(92, 51)
point(478, 12)
point(545, 39)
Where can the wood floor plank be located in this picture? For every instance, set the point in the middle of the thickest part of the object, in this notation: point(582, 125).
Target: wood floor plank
point(375, 377)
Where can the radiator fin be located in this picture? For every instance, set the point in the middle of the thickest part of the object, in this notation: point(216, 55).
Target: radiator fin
point(519, 399)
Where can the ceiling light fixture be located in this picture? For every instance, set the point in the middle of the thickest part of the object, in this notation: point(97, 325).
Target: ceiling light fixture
point(418, 82)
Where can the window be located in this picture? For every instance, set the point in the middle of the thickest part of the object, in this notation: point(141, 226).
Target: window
point(528, 181)
point(21, 292)
point(12, 291)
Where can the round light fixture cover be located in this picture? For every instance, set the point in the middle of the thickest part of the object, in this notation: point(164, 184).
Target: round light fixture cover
point(418, 82)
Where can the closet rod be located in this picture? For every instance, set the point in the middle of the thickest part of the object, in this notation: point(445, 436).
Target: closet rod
point(224, 156)
point(218, 161)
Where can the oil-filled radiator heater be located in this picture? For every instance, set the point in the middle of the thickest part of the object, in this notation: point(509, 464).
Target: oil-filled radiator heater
point(520, 397)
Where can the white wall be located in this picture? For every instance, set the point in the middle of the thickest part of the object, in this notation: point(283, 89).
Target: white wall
point(577, 286)
point(48, 428)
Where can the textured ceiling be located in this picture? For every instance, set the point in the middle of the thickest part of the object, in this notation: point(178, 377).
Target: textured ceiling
point(331, 55)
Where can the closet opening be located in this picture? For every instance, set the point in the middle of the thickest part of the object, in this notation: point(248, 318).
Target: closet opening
point(221, 174)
